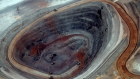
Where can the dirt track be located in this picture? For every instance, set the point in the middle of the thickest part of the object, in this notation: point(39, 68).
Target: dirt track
point(121, 63)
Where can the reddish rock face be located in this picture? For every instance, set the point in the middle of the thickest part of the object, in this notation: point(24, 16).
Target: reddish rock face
point(59, 55)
